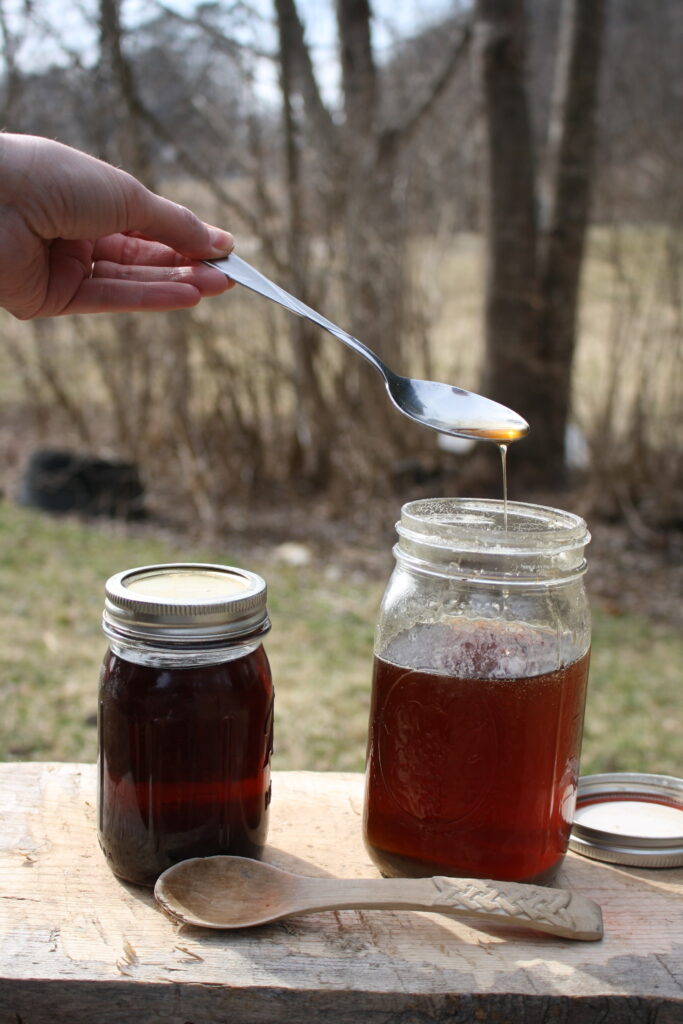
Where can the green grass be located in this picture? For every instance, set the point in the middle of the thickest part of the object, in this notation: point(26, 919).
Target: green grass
point(51, 646)
point(634, 717)
point(320, 649)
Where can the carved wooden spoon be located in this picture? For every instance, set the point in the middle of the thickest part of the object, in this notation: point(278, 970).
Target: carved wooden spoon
point(234, 892)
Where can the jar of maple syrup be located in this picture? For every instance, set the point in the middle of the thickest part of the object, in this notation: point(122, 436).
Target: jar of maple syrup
point(185, 717)
point(480, 672)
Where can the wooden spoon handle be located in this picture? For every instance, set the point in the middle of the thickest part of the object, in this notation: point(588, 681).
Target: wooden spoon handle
point(555, 911)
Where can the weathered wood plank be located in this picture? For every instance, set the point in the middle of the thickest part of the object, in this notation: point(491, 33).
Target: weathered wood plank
point(77, 945)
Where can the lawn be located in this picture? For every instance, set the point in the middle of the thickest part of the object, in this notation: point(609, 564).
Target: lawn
point(320, 648)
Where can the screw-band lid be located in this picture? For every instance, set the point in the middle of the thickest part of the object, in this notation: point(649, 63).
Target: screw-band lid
point(185, 602)
point(630, 818)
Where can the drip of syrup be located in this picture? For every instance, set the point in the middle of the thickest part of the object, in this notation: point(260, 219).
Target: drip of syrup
point(503, 449)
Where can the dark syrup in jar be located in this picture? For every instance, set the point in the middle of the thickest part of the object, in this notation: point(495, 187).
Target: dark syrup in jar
point(473, 759)
point(184, 762)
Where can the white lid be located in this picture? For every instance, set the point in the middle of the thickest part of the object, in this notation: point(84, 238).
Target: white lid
point(630, 818)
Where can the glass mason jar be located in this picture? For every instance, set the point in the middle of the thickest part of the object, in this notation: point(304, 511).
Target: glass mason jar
point(480, 672)
point(185, 717)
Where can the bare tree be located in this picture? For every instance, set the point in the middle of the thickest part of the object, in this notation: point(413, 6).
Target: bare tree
point(309, 455)
point(361, 194)
point(537, 230)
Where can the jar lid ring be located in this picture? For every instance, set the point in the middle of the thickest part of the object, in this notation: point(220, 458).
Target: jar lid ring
point(629, 818)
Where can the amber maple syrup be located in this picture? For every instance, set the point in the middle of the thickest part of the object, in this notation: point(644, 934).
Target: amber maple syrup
point(473, 758)
point(503, 449)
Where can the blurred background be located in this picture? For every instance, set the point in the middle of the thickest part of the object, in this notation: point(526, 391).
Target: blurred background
point(487, 193)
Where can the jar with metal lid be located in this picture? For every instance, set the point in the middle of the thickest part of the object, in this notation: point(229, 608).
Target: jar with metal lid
point(480, 673)
point(185, 717)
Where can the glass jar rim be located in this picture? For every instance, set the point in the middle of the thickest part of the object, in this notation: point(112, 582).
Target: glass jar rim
point(470, 539)
point(478, 525)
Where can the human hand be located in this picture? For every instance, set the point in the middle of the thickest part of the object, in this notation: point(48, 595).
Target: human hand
point(80, 236)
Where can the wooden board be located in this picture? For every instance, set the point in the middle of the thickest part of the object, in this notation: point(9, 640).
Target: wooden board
point(77, 945)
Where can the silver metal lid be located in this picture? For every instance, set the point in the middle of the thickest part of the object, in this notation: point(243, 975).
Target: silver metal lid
point(185, 602)
point(629, 818)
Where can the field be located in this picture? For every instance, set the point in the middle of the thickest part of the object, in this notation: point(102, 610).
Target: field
point(320, 647)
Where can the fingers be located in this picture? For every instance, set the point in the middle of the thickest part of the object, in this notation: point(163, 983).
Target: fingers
point(117, 289)
point(132, 249)
point(105, 295)
point(208, 281)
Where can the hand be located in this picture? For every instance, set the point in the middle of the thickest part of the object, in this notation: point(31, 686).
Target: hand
point(80, 236)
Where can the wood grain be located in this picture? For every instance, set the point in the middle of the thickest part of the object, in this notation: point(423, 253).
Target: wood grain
point(77, 945)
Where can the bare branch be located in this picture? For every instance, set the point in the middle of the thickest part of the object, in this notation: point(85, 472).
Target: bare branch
point(227, 44)
point(402, 132)
point(140, 112)
point(186, 160)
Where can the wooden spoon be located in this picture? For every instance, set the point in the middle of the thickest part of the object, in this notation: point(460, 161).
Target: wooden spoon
point(235, 892)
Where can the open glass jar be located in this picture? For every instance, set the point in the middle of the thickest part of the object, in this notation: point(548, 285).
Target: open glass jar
point(481, 666)
point(185, 717)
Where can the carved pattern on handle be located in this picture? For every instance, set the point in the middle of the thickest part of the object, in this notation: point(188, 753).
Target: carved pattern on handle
point(528, 901)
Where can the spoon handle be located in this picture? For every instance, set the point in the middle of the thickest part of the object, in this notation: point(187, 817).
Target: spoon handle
point(239, 270)
point(554, 911)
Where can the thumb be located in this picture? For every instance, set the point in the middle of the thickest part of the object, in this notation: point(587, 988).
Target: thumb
point(153, 217)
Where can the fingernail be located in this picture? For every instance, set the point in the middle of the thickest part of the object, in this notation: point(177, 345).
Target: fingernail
point(222, 242)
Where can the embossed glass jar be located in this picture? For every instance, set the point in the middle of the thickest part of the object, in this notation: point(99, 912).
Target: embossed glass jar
point(185, 717)
point(480, 673)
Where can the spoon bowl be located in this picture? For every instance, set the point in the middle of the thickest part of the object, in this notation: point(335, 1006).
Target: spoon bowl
point(434, 405)
point(450, 410)
point(226, 892)
point(235, 892)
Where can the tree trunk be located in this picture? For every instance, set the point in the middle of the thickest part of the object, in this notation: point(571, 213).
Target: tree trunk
point(359, 75)
point(567, 196)
point(311, 445)
point(120, 94)
point(511, 298)
point(373, 227)
point(533, 275)
point(11, 84)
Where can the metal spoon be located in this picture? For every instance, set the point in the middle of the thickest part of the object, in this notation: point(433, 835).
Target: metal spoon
point(442, 407)
point(234, 892)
